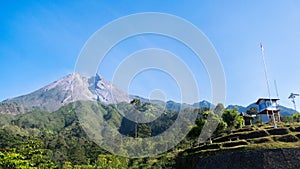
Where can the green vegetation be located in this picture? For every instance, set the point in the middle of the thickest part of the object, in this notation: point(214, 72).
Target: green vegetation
point(250, 137)
point(29, 154)
point(66, 143)
point(233, 118)
point(294, 118)
point(39, 139)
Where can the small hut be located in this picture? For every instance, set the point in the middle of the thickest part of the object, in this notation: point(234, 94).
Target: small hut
point(248, 119)
point(268, 107)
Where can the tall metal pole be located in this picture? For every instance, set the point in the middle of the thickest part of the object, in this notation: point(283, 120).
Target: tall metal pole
point(294, 104)
point(267, 81)
point(292, 97)
point(277, 104)
point(275, 83)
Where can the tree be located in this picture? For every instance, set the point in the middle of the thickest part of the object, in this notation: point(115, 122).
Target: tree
point(233, 118)
point(287, 119)
point(144, 131)
point(12, 159)
point(28, 155)
point(67, 165)
point(239, 122)
point(219, 109)
point(252, 111)
point(109, 161)
point(136, 102)
point(215, 119)
point(212, 118)
point(296, 117)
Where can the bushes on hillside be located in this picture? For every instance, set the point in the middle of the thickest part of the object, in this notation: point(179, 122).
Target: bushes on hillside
point(233, 119)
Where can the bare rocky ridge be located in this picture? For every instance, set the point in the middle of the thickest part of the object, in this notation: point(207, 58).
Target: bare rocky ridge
point(70, 88)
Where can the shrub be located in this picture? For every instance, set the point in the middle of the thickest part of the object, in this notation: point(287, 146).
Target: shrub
point(233, 118)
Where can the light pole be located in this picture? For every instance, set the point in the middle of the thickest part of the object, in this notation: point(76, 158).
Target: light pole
point(292, 97)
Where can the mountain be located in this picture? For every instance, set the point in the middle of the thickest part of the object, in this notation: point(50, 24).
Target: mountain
point(239, 108)
point(204, 104)
point(171, 105)
point(284, 111)
point(68, 89)
point(74, 87)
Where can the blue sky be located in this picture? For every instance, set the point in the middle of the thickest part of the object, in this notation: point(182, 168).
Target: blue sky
point(40, 42)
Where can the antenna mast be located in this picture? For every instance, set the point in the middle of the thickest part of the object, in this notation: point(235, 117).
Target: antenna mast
point(276, 89)
point(267, 81)
point(275, 83)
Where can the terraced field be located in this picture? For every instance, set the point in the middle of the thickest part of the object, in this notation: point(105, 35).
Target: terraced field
point(259, 137)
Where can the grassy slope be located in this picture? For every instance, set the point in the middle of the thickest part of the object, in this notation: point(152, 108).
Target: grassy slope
point(287, 135)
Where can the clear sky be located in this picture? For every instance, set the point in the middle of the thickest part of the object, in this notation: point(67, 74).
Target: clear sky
point(40, 42)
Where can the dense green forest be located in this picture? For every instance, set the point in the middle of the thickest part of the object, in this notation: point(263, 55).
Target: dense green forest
point(40, 139)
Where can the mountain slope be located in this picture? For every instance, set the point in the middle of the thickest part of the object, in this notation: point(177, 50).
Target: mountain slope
point(74, 87)
point(204, 104)
point(71, 88)
point(239, 108)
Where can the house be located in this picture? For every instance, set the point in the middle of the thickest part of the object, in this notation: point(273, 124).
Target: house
point(248, 119)
point(269, 108)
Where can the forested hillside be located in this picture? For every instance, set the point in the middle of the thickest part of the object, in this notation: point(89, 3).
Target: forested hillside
point(57, 140)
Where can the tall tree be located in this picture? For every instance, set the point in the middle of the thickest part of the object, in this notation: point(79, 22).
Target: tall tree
point(233, 118)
